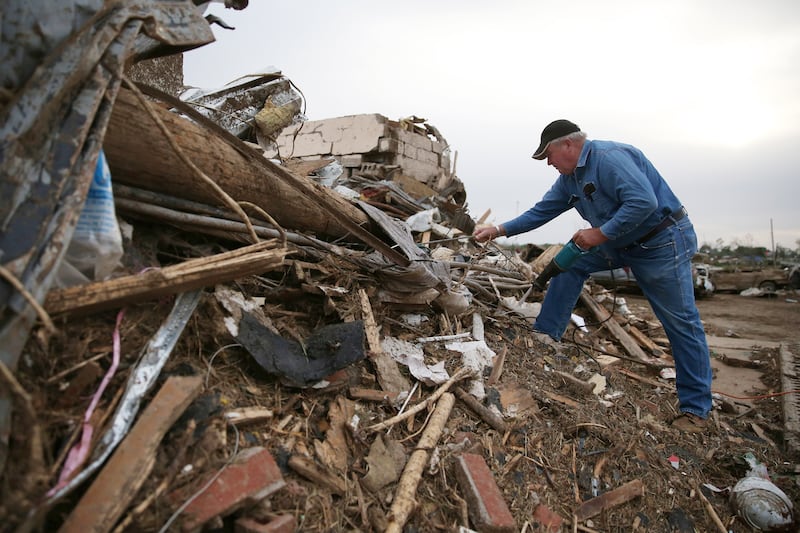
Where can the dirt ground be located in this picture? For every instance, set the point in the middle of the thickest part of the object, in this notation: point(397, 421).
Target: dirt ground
point(564, 446)
point(769, 318)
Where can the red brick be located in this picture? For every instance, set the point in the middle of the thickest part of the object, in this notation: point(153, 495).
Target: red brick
point(487, 508)
point(283, 524)
point(547, 519)
point(251, 477)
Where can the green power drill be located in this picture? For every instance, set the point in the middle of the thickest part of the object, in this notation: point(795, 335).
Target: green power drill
point(564, 259)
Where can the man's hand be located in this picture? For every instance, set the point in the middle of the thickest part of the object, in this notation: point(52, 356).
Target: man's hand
point(589, 238)
point(487, 233)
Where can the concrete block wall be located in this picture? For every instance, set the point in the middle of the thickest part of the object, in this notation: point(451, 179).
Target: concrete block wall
point(354, 134)
point(364, 139)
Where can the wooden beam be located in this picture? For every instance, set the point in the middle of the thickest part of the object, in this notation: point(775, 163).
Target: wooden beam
point(186, 276)
point(295, 202)
point(644, 341)
point(627, 342)
point(389, 376)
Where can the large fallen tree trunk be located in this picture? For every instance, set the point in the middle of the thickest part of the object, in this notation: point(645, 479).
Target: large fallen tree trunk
point(139, 155)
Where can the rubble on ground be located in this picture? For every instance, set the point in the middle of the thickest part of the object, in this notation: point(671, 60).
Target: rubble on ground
point(300, 334)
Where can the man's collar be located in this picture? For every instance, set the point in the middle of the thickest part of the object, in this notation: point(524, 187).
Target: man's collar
point(587, 145)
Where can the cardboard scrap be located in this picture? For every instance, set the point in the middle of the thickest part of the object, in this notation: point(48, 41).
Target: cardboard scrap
point(386, 461)
point(333, 452)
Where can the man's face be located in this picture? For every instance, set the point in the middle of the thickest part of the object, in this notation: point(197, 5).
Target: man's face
point(563, 156)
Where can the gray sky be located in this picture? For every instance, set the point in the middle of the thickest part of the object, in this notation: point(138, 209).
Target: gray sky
point(709, 89)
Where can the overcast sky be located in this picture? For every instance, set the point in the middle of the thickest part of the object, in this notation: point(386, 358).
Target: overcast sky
point(710, 90)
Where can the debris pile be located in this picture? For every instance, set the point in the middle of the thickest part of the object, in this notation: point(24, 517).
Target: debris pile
point(311, 342)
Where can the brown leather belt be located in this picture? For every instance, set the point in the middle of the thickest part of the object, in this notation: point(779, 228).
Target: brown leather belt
point(671, 219)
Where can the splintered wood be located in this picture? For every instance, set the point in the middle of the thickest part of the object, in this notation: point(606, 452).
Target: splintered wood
point(388, 373)
point(154, 283)
point(615, 328)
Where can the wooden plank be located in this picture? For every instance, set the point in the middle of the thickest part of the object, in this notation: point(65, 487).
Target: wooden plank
point(304, 168)
point(613, 498)
point(119, 481)
point(543, 259)
point(561, 399)
point(248, 415)
point(627, 342)
point(644, 341)
point(413, 186)
point(389, 376)
point(372, 395)
point(189, 275)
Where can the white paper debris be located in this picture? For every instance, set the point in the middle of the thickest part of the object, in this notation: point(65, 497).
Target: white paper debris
point(412, 356)
point(475, 355)
point(580, 323)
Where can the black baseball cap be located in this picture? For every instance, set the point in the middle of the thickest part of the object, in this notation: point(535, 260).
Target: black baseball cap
point(555, 130)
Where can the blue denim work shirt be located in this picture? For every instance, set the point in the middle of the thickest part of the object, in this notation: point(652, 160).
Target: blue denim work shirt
point(614, 187)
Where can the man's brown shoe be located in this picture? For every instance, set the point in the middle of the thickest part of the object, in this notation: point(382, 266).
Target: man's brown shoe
point(689, 423)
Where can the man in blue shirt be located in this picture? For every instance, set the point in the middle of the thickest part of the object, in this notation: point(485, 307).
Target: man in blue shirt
point(638, 222)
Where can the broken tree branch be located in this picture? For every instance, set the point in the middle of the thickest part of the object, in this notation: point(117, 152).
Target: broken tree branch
point(35, 446)
point(486, 415)
point(404, 499)
point(711, 512)
point(43, 316)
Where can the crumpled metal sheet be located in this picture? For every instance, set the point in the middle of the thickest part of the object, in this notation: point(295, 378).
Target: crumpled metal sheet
point(60, 68)
point(237, 107)
point(52, 128)
point(422, 273)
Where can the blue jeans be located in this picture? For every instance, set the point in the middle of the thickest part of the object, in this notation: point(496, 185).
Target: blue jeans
point(663, 270)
